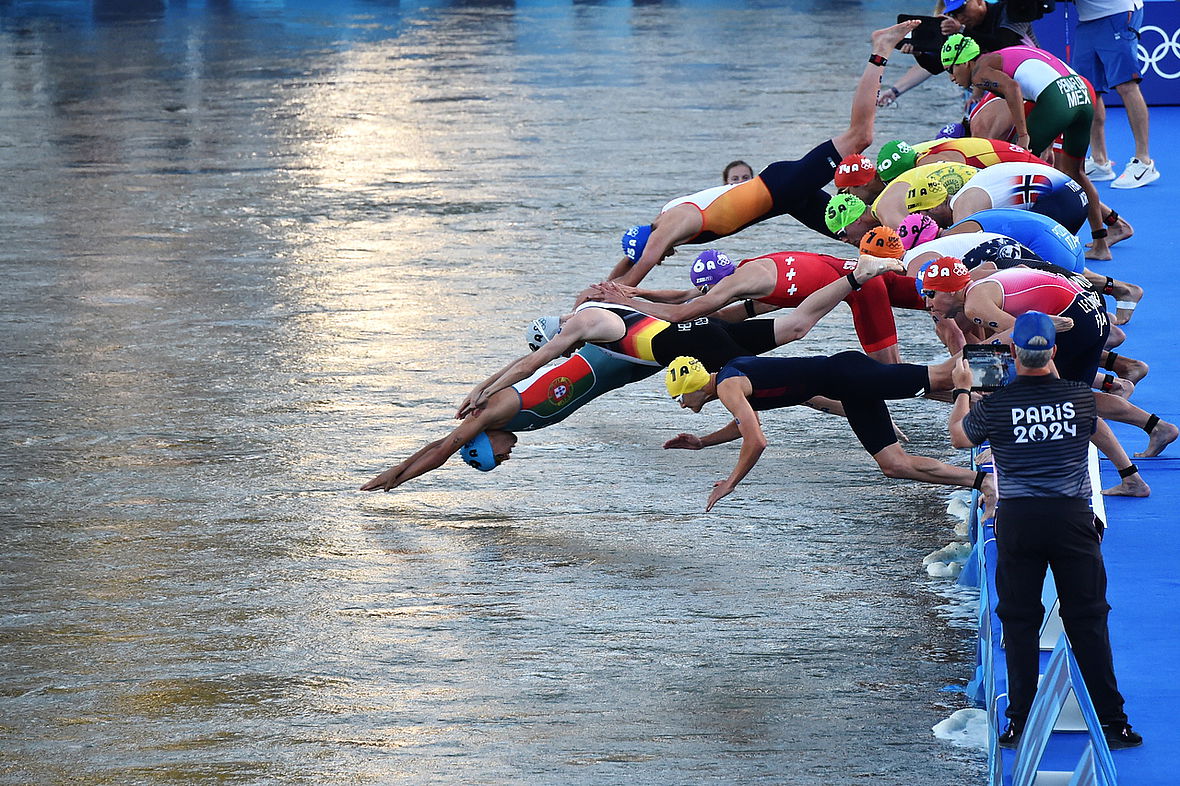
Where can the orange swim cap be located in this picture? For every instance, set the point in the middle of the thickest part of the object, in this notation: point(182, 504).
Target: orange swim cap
point(882, 242)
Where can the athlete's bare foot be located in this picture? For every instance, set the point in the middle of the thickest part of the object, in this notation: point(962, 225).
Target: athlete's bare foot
point(1126, 297)
point(884, 40)
point(1132, 486)
point(1117, 233)
point(1123, 388)
point(1130, 368)
point(1099, 250)
point(1161, 436)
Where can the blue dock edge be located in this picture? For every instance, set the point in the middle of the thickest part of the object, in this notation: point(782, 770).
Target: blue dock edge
point(1141, 550)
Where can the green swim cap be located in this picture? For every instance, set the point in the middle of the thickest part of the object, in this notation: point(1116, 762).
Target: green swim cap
point(895, 157)
point(842, 210)
point(958, 49)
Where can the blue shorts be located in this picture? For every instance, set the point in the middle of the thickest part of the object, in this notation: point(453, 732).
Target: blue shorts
point(1108, 50)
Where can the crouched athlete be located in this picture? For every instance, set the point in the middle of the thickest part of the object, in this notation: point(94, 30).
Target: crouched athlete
point(748, 385)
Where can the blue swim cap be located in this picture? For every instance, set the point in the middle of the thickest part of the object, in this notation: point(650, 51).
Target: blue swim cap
point(918, 276)
point(478, 453)
point(635, 240)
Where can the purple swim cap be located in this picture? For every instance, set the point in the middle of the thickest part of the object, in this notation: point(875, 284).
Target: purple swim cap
point(951, 131)
point(916, 229)
point(708, 268)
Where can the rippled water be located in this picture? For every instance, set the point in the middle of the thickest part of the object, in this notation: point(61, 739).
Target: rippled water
point(255, 252)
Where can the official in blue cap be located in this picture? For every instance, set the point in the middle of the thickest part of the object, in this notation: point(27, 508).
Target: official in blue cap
point(1039, 427)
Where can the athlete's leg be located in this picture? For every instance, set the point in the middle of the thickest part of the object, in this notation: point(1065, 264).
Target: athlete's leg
point(1160, 433)
point(859, 133)
point(896, 463)
point(1131, 483)
point(1125, 367)
point(1125, 294)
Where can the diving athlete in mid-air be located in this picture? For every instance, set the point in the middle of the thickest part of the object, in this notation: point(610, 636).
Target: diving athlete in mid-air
point(618, 346)
point(784, 187)
point(749, 385)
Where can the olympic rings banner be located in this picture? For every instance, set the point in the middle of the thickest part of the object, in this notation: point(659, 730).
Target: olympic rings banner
point(1159, 47)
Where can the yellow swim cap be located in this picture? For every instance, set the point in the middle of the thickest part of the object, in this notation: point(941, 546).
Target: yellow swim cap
point(924, 196)
point(685, 375)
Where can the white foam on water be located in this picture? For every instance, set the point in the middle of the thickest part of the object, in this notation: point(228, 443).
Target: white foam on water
point(965, 728)
point(947, 562)
point(958, 506)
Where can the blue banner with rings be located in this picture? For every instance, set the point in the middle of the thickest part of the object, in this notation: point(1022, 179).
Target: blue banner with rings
point(1159, 47)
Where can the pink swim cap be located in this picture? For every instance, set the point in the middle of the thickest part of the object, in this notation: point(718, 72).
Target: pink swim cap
point(916, 229)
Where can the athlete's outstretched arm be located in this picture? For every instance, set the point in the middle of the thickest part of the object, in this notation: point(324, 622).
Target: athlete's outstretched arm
point(859, 134)
point(732, 288)
point(733, 393)
point(498, 412)
point(728, 433)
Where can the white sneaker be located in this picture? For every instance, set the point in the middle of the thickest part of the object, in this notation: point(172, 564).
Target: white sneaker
point(1099, 172)
point(1137, 174)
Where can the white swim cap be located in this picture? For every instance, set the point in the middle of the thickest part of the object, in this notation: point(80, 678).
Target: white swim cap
point(541, 331)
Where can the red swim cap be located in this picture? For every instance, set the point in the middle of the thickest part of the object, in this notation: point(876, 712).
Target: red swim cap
point(946, 274)
point(854, 170)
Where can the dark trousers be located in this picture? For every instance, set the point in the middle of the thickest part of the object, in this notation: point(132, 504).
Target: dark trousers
point(1032, 533)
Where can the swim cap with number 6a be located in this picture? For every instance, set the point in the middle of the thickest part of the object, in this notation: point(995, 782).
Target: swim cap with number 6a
point(958, 49)
point(709, 267)
point(685, 375)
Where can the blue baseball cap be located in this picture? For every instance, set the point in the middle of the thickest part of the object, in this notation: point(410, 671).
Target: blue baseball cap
point(708, 268)
point(478, 453)
point(953, 5)
point(635, 240)
point(1034, 331)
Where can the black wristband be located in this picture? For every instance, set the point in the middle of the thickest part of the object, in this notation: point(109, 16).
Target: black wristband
point(852, 282)
point(955, 393)
point(877, 60)
point(980, 476)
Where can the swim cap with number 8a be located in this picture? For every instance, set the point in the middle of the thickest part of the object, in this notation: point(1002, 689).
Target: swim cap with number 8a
point(685, 375)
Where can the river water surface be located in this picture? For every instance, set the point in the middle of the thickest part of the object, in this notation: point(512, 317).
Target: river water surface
point(255, 252)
